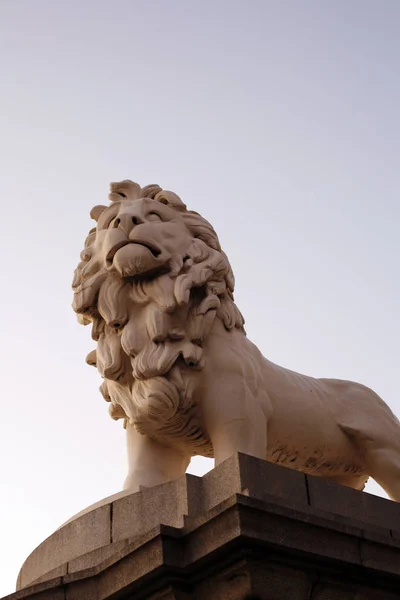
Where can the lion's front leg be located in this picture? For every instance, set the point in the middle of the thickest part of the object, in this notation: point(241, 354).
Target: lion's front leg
point(240, 435)
point(234, 420)
point(150, 462)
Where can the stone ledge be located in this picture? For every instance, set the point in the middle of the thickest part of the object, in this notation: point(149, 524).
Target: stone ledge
point(242, 547)
point(276, 507)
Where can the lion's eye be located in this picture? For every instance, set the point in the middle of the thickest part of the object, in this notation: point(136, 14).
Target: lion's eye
point(105, 221)
point(153, 216)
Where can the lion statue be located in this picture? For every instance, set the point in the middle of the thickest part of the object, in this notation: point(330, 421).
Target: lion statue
point(179, 370)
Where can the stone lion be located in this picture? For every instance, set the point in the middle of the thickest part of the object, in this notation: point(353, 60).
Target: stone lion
point(179, 370)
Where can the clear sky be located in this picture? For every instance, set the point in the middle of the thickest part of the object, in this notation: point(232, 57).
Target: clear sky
point(277, 120)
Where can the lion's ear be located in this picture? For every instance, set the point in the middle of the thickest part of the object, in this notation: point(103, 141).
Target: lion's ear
point(97, 211)
point(170, 199)
point(125, 189)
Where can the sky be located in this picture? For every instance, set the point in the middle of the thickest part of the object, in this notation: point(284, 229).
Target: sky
point(277, 121)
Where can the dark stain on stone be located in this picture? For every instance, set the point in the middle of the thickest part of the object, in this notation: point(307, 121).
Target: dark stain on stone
point(283, 455)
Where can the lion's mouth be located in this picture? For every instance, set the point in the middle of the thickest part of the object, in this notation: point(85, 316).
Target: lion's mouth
point(151, 247)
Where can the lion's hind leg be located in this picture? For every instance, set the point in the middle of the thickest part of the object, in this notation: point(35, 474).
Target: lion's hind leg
point(370, 423)
point(382, 461)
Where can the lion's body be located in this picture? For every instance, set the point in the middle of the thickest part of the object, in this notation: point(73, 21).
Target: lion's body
point(319, 426)
point(180, 371)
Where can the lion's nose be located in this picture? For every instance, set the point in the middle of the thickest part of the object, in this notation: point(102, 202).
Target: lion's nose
point(127, 222)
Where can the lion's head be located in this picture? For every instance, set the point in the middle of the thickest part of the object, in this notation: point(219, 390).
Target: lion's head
point(151, 281)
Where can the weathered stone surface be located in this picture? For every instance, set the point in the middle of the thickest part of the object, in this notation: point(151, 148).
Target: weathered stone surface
point(332, 591)
point(373, 593)
point(277, 581)
point(218, 543)
point(332, 588)
point(233, 582)
point(380, 554)
point(341, 500)
point(96, 557)
point(87, 589)
point(293, 533)
point(52, 589)
point(165, 504)
point(57, 572)
point(190, 502)
point(77, 537)
point(254, 578)
point(243, 474)
point(171, 592)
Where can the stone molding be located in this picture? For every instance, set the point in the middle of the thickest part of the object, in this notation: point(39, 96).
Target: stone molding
point(245, 527)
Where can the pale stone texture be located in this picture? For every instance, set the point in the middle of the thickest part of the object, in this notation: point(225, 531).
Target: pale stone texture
point(178, 368)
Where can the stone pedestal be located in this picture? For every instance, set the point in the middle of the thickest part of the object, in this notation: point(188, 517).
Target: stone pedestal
point(246, 530)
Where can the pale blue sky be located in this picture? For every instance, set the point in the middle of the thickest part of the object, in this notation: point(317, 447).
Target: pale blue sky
point(276, 119)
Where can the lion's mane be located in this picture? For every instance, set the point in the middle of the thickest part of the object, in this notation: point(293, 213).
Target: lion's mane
point(150, 332)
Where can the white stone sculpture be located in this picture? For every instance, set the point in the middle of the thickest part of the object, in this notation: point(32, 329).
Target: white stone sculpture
point(178, 368)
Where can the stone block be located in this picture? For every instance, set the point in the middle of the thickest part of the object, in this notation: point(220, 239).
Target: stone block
point(395, 533)
point(165, 504)
point(252, 578)
point(338, 499)
point(47, 590)
point(147, 559)
point(244, 531)
point(96, 557)
point(214, 533)
point(373, 593)
point(276, 581)
point(170, 592)
point(299, 536)
point(57, 572)
point(233, 582)
point(380, 554)
point(86, 589)
point(243, 474)
point(332, 591)
point(86, 533)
